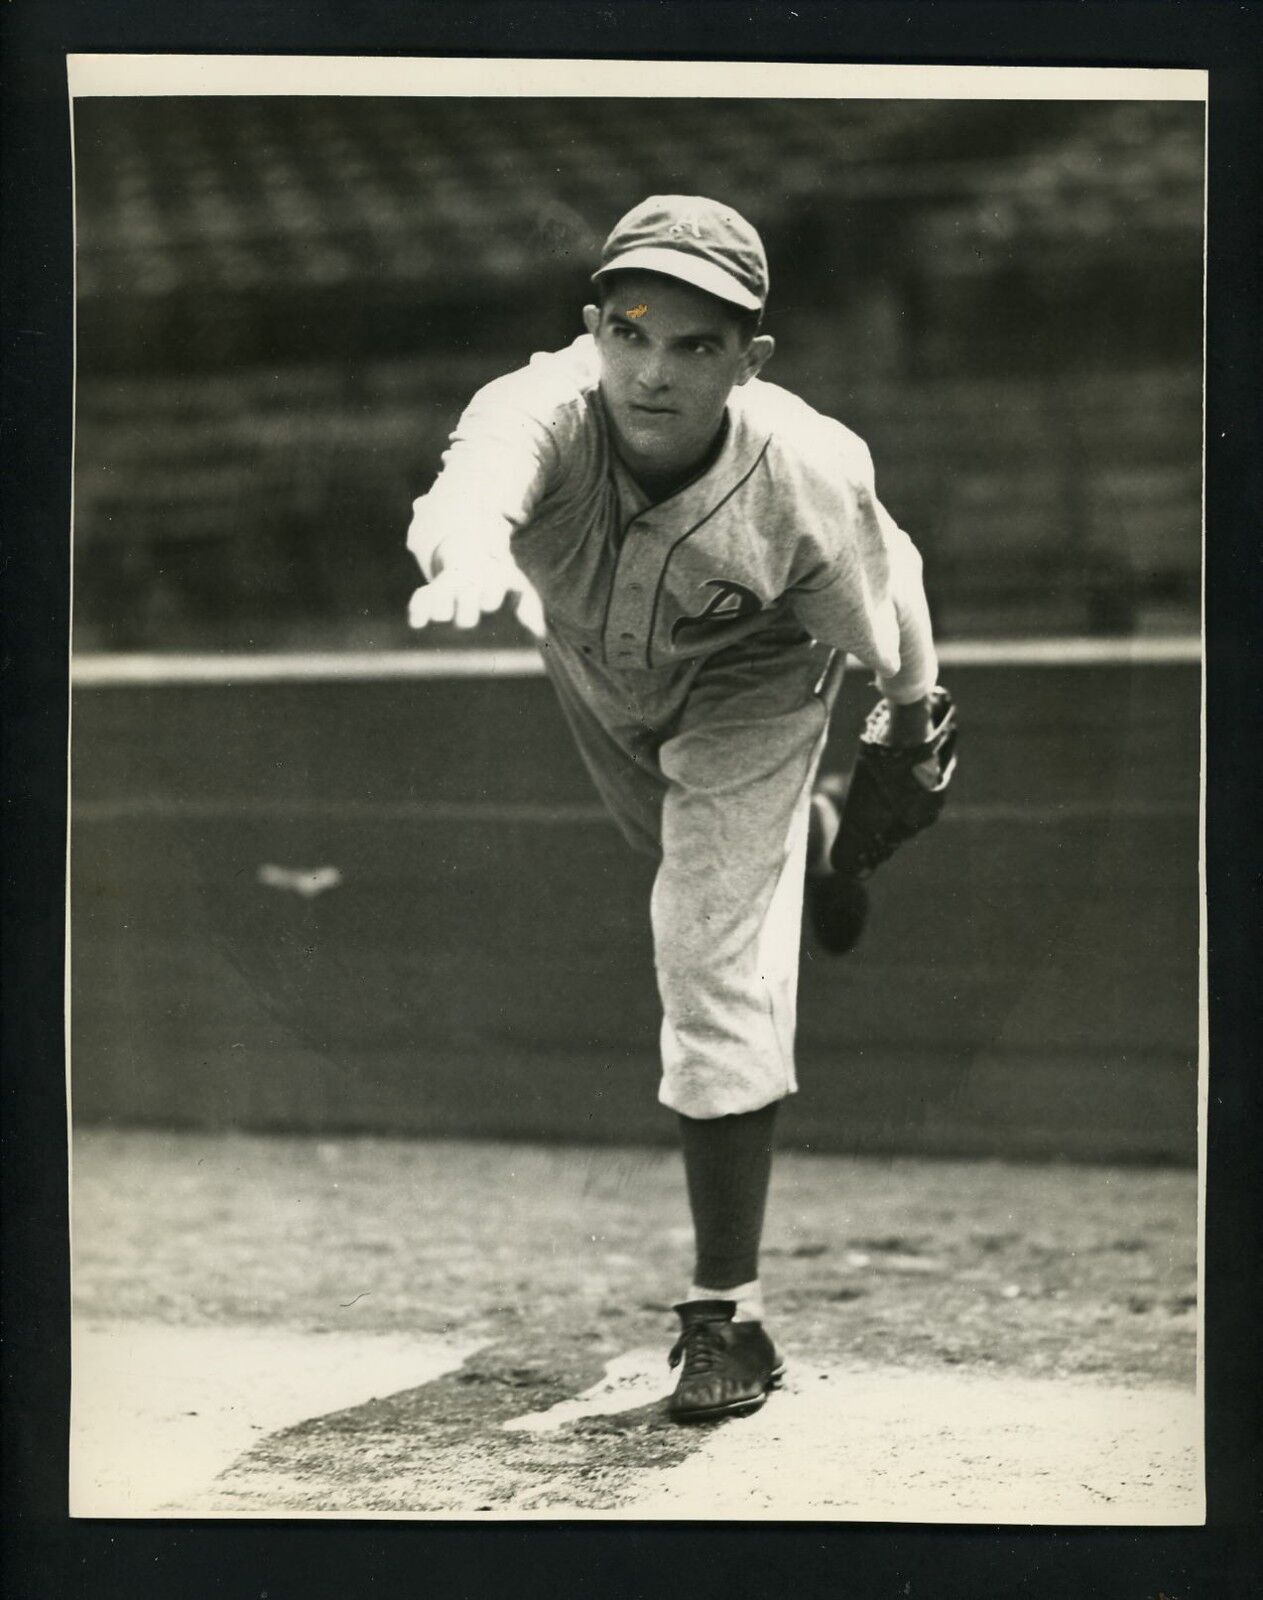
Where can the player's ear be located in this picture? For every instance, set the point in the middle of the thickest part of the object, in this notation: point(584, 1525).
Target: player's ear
point(592, 319)
point(758, 353)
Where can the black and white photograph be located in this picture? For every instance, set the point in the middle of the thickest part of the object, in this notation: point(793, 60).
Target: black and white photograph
point(636, 923)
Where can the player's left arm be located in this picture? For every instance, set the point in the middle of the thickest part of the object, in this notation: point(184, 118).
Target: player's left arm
point(907, 754)
point(863, 589)
point(909, 690)
point(860, 584)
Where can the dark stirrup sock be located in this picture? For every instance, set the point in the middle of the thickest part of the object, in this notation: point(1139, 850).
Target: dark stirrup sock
point(728, 1164)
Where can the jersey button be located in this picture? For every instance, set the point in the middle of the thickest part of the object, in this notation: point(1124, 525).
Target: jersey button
point(630, 637)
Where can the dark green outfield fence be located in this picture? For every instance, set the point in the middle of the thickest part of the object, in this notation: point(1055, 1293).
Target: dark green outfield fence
point(481, 965)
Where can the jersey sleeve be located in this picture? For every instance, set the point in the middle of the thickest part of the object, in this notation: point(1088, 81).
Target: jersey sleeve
point(496, 468)
point(918, 659)
point(864, 590)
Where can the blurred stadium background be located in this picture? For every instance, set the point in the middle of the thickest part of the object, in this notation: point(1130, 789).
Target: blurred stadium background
point(283, 304)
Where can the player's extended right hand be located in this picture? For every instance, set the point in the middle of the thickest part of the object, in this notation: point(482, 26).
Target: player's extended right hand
point(464, 592)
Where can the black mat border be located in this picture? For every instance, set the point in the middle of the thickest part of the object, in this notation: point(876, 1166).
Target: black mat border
point(45, 1554)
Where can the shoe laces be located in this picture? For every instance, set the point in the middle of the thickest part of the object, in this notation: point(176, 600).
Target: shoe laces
point(701, 1347)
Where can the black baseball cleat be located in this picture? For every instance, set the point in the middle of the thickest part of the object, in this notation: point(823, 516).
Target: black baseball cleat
point(837, 904)
point(728, 1367)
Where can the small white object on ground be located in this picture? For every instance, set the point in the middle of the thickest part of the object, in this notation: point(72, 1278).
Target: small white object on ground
point(307, 882)
point(636, 1378)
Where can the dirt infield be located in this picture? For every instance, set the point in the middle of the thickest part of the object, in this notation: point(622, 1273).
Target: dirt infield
point(312, 1327)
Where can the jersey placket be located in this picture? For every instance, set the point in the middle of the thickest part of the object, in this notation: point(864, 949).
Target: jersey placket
point(650, 533)
point(635, 584)
point(637, 566)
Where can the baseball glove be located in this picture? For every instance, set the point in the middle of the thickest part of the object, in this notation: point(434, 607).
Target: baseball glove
point(895, 791)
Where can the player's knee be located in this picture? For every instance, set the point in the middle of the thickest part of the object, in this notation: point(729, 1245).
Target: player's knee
point(690, 954)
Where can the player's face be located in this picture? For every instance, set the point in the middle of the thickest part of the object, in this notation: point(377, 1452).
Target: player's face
point(670, 357)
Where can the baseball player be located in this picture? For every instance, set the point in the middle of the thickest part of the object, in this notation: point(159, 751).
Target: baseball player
point(696, 550)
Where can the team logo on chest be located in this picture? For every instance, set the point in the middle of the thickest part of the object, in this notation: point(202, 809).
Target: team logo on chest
point(729, 601)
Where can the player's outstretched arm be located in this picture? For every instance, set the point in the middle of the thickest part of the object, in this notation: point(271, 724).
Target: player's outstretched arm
point(463, 592)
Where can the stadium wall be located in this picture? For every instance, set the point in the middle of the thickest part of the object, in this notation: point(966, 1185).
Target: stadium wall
point(391, 905)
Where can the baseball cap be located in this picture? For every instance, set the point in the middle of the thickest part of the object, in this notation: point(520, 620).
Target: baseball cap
point(696, 240)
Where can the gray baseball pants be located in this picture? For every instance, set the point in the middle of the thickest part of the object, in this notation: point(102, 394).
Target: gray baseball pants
point(707, 765)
